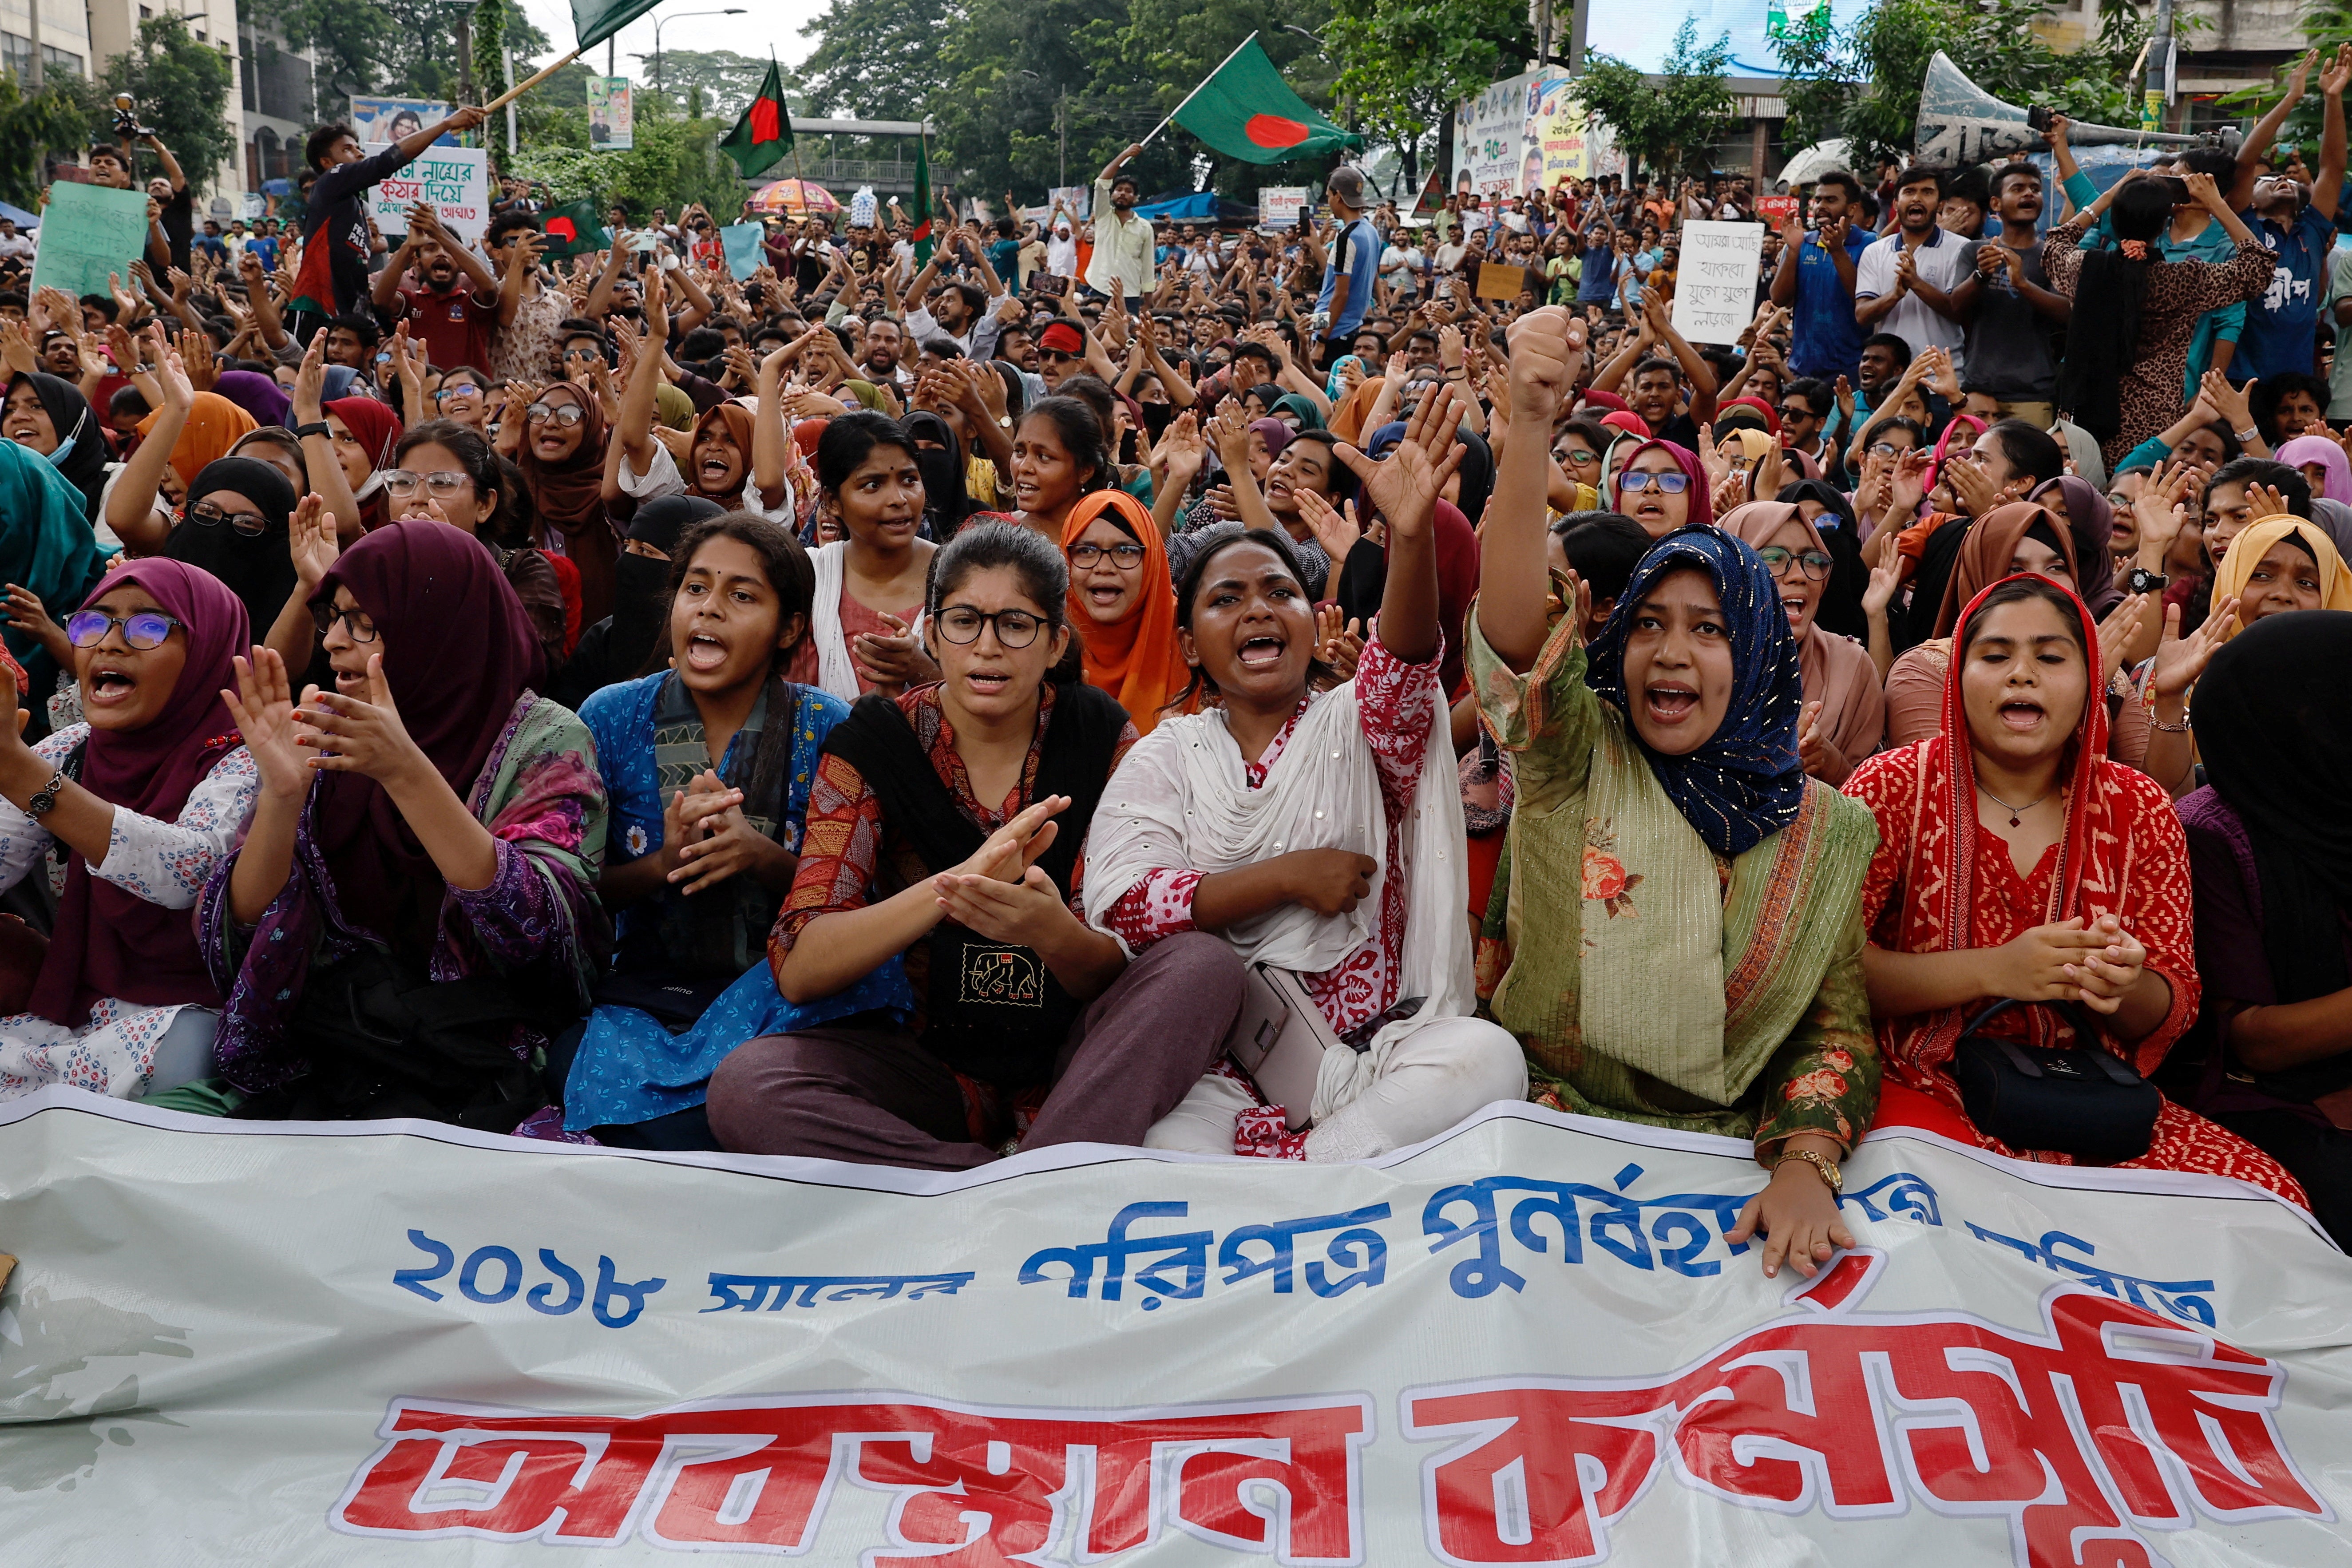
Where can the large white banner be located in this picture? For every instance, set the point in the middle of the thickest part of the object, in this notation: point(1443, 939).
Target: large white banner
point(1526, 1342)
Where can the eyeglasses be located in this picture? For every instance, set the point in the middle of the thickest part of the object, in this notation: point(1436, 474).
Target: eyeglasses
point(463, 389)
point(1125, 557)
point(205, 514)
point(323, 614)
point(961, 624)
point(565, 415)
point(1812, 562)
point(1576, 457)
point(1886, 450)
point(401, 483)
point(142, 629)
point(583, 354)
point(1671, 484)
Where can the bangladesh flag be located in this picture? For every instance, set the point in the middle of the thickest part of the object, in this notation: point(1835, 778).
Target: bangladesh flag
point(926, 235)
point(593, 21)
point(574, 229)
point(1247, 110)
point(764, 134)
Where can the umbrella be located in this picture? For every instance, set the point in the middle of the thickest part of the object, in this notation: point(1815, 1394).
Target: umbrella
point(23, 219)
point(1811, 162)
point(797, 198)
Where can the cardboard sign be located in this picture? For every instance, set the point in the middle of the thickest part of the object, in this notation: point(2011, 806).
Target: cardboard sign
point(87, 232)
point(456, 180)
point(1497, 281)
point(1714, 290)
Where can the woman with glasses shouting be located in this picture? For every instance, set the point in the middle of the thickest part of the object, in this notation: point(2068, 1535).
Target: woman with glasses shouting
point(1662, 487)
point(134, 805)
point(949, 825)
point(427, 837)
point(559, 442)
point(1845, 705)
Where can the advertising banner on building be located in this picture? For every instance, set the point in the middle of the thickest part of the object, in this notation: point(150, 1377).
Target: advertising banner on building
point(1526, 134)
point(1278, 206)
point(456, 180)
point(612, 115)
point(1526, 1342)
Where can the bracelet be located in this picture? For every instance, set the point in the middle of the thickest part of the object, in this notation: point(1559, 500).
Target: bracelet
point(2248, 434)
point(320, 428)
point(45, 799)
point(2158, 724)
point(1823, 1168)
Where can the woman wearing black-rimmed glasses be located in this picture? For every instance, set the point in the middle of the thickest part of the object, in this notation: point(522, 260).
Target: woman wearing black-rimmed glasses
point(949, 825)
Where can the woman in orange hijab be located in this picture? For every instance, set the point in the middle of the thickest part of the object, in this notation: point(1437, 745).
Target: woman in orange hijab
point(1123, 603)
point(213, 425)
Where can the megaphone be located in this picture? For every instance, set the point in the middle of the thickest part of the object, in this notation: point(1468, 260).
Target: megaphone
point(1960, 123)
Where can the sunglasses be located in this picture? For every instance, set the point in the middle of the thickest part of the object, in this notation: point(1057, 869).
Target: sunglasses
point(1812, 562)
point(144, 629)
point(1671, 484)
point(564, 414)
point(204, 514)
point(1056, 356)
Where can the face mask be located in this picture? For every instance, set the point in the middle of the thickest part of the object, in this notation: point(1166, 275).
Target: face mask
point(64, 447)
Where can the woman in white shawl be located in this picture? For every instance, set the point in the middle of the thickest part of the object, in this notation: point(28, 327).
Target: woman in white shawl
point(1320, 833)
point(869, 584)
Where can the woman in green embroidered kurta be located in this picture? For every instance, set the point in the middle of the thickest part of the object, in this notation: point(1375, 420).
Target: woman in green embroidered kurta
point(1676, 938)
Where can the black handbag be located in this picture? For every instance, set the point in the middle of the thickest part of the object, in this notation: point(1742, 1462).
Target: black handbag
point(2082, 1100)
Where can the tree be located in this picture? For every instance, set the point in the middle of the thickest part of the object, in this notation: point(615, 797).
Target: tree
point(1404, 63)
point(181, 89)
point(404, 49)
point(1669, 121)
point(1863, 82)
point(674, 161)
point(56, 116)
point(878, 59)
point(725, 79)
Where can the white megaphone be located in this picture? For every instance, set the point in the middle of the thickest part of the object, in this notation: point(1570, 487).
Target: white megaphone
point(1960, 123)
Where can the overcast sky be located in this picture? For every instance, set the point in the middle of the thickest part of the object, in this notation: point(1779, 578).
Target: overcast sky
point(764, 25)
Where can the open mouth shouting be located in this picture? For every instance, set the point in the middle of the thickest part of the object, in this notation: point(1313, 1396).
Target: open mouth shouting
point(111, 685)
point(1792, 605)
point(717, 471)
point(987, 680)
point(2022, 715)
point(705, 653)
point(1671, 702)
point(1261, 652)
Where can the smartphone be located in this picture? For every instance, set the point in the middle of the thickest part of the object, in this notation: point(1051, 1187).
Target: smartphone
point(2176, 187)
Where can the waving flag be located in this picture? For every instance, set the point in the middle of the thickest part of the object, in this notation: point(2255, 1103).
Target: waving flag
point(596, 20)
point(1247, 110)
point(574, 229)
point(926, 235)
point(764, 134)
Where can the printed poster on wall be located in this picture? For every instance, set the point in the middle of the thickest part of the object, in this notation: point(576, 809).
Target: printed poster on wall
point(456, 180)
point(1527, 135)
point(1529, 1340)
point(612, 115)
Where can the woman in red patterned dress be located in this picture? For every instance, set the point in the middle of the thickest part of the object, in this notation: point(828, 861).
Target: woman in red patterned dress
point(2015, 860)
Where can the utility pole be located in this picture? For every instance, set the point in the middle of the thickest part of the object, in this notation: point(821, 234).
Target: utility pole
point(2156, 92)
point(1062, 126)
point(465, 55)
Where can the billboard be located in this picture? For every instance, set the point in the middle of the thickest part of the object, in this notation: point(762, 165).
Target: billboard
point(392, 118)
point(611, 119)
point(1524, 134)
point(1644, 37)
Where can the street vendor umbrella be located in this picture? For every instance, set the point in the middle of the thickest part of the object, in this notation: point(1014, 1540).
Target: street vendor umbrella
point(797, 198)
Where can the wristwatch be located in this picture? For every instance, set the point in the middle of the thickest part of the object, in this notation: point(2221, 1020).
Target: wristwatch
point(2143, 580)
point(1828, 1168)
point(317, 428)
point(45, 799)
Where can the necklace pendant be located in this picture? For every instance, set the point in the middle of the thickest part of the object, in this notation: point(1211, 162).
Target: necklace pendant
point(2013, 821)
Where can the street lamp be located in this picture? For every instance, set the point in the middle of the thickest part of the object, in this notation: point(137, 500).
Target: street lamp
point(1061, 124)
point(660, 82)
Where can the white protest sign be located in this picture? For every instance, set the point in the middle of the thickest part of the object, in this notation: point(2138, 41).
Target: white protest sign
point(1527, 1340)
point(456, 180)
point(1715, 288)
point(1278, 206)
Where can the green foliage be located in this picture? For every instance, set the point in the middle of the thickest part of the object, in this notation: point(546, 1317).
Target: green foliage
point(1404, 63)
point(2325, 24)
point(675, 161)
point(1863, 82)
point(725, 79)
point(404, 49)
point(181, 88)
point(1670, 121)
point(58, 116)
point(490, 18)
point(878, 59)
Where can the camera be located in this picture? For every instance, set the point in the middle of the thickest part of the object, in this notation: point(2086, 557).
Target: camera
point(126, 118)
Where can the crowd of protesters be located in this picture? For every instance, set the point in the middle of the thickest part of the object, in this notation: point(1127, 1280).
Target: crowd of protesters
point(918, 702)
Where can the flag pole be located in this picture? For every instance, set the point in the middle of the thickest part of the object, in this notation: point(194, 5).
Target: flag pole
point(1189, 96)
point(514, 92)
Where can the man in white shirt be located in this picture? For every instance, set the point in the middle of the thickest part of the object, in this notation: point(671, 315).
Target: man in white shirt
point(1122, 264)
point(14, 245)
point(1903, 282)
point(1402, 266)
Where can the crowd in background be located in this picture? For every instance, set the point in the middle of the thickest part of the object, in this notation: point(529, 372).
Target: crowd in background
point(932, 696)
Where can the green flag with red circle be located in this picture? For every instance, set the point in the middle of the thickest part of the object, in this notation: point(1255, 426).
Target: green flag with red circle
point(1247, 110)
point(764, 134)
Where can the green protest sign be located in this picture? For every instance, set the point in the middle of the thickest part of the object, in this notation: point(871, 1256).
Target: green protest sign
point(87, 232)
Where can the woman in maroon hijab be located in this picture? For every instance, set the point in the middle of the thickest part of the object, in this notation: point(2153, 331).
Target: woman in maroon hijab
point(160, 788)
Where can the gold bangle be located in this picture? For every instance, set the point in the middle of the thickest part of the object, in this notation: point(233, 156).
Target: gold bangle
point(1827, 1171)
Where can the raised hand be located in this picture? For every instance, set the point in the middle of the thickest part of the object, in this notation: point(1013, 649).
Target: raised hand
point(355, 735)
point(2116, 634)
point(2180, 661)
point(1338, 641)
point(312, 542)
point(27, 612)
point(1405, 487)
point(268, 724)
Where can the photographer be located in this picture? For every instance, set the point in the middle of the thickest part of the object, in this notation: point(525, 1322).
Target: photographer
point(335, 243)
